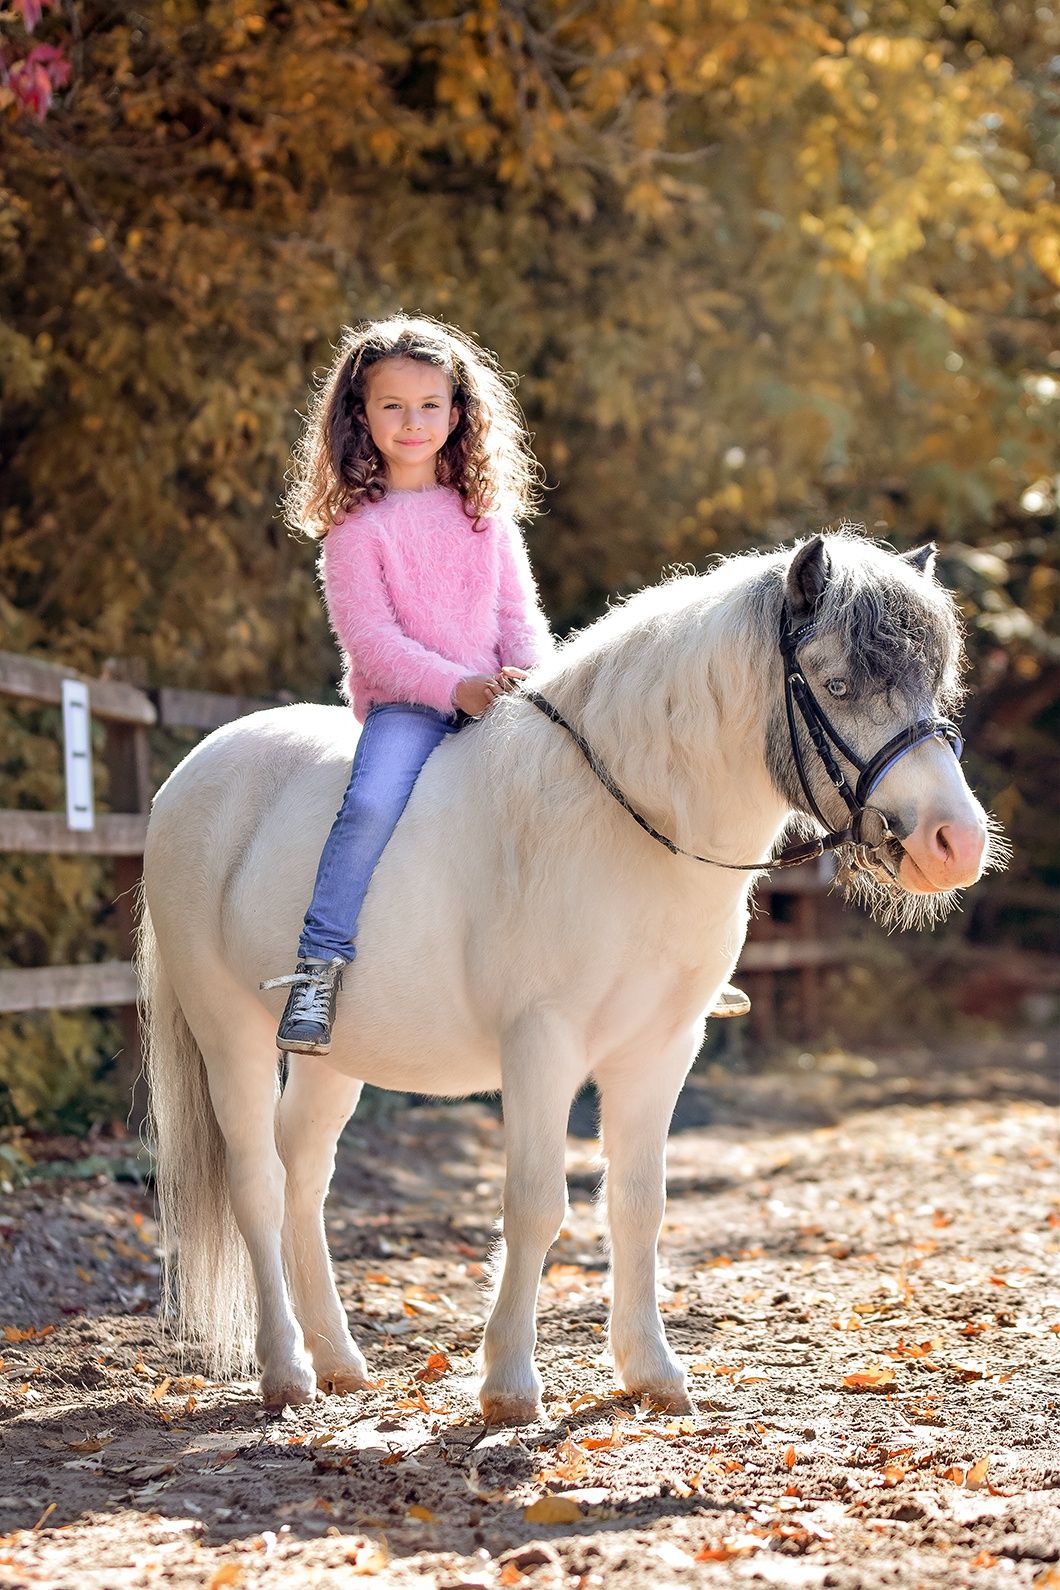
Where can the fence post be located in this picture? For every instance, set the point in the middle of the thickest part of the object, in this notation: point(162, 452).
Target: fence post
point(128, 765)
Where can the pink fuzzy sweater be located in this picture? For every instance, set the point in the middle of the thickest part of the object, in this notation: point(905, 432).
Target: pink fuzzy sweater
point(417, 599)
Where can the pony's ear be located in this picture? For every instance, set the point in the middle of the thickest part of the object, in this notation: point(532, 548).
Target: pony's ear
point(807, 577)
point(922, 558)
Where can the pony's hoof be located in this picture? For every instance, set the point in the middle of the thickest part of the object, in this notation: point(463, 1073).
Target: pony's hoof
point(291, 1391)
point(342, 1383)
point(501, 1409)
point(664, 1399)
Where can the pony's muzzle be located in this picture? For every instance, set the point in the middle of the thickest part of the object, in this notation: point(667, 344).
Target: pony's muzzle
point(948, 852)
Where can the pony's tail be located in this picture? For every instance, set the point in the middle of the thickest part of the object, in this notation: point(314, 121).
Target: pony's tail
point(208, 1301)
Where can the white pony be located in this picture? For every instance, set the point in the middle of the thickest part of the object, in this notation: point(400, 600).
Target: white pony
point(521, 933)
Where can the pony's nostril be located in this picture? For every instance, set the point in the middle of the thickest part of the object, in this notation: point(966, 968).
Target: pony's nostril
point(959, 847)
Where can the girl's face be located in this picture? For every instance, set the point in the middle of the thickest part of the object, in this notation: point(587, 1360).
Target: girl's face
point(410, 412)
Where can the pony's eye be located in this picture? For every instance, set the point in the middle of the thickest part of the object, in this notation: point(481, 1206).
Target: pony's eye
point(836, 687)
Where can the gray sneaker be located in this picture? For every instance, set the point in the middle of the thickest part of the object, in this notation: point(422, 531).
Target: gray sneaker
point(305, 1026)
point(729, 1002)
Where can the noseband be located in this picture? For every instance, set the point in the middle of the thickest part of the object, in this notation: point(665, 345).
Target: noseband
point(868, 830)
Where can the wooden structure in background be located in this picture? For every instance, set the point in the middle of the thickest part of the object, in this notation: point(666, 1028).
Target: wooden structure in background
point(796, 935)
point(790, 938)
point(129, 712)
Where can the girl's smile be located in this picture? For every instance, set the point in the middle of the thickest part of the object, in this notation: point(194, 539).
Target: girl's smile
point(409, 409)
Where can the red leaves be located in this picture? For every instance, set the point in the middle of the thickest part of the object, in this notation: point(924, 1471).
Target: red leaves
point(436, 1366)
point(33, 80)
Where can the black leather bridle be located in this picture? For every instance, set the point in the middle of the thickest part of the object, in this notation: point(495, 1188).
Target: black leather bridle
point(868, 830)
point(868, 825)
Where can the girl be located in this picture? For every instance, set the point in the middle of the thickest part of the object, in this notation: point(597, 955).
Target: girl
point(412, 470)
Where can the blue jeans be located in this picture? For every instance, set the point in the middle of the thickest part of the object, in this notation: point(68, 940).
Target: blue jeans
point(396, 740)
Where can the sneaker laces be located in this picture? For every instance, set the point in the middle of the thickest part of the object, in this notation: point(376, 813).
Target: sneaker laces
point(313, 989)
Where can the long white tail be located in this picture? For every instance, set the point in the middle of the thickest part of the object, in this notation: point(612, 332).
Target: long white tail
point(208, 1299)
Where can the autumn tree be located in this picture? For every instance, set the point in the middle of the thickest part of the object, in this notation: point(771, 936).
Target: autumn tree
point(762, 265)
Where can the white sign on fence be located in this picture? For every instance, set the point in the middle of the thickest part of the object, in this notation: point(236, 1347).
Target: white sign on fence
point(77, 750)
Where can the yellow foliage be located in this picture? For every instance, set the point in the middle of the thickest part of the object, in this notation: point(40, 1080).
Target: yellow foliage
point(762, 264)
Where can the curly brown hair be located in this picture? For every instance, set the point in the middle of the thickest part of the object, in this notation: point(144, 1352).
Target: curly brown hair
point(487, 458)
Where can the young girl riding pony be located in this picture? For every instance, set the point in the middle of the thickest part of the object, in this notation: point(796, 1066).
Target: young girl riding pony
point(413, 471)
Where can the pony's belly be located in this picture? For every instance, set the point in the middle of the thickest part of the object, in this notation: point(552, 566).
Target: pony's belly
point(398, 1049)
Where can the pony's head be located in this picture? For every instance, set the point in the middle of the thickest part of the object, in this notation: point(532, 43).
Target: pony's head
point(880, 650)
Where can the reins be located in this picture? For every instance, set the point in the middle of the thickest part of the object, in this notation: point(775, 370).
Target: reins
point(868, 828)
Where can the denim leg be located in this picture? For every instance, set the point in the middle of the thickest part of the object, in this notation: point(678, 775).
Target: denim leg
point(395, 742)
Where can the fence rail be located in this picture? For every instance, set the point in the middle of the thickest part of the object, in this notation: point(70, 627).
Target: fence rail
point(130, 711)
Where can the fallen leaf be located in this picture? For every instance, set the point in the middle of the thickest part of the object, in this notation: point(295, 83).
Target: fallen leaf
point(732, 1546)
point(597, 1443)
point(424, 1514)
point(790, 1458)
point(91, 1443)
point(915, 1349)
point(870, 1379)
point(436, 1366)
point(553, 1510)
point(229, 1573)
point(976, 1475)
point(571, 1463)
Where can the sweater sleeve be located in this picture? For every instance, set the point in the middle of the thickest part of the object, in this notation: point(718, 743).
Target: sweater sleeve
point(523, 632)
point(363, 622)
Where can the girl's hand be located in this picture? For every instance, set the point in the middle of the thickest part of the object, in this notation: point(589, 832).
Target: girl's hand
point(509, 678)
point(475, 693)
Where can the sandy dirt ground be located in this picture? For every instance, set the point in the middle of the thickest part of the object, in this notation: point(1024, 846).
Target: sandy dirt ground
point(859, 1267)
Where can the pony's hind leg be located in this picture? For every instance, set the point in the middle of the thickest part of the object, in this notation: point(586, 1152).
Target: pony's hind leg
point(637, 1101)
point(542, 1065)
point(317, 1102)
point(240, 1059)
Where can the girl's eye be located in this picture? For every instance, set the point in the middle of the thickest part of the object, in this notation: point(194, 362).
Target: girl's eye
point(836, 687)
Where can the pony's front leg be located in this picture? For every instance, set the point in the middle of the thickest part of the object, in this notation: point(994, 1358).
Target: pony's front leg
point(542, 1064)
point(637, 1102)
point(317, 1102)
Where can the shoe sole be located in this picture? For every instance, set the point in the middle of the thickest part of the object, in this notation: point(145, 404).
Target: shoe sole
point(294, 1046)
point(727, 1012)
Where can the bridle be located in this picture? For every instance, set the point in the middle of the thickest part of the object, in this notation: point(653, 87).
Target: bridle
point(868, 831)
point(868, 828)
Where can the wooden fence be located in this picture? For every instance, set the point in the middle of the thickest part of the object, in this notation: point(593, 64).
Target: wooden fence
point(792, 937)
